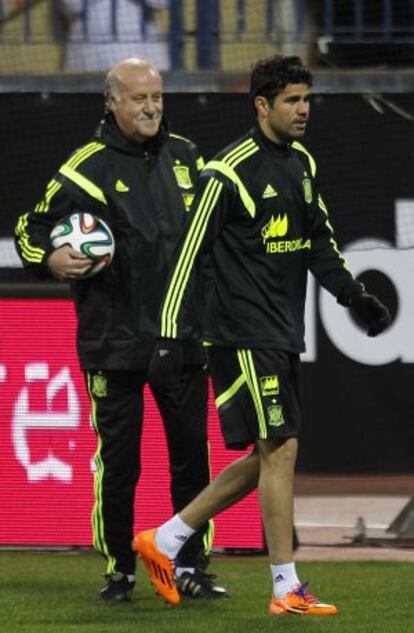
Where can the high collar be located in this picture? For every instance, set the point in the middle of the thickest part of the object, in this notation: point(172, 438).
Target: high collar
point(274, 148)
point(109, 133)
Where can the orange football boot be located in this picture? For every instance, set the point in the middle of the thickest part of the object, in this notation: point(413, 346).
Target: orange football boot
point(300, 602)
point(160, 567)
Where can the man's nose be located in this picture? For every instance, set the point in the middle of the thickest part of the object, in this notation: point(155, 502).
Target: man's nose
point(303, 107)
point(150, 106)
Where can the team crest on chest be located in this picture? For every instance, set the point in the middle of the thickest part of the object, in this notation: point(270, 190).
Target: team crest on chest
point(182, 174)
point(307, 190)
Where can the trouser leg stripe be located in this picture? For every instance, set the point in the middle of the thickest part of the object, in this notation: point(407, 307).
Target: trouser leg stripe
point(247, 367)
point(98, 526)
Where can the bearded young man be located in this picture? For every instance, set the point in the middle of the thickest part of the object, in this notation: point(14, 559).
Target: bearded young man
point(260, 218)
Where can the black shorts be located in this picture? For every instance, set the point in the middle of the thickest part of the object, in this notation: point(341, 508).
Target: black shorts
point(258, 393)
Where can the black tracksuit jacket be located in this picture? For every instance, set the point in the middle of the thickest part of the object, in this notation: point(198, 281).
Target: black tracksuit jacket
point(259, 216)
point(143, 191)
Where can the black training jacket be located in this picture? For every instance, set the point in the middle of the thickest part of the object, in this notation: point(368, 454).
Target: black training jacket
point(143, 191)
point(261, 219)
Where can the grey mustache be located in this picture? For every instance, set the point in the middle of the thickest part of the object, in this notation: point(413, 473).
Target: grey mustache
point(148, 118)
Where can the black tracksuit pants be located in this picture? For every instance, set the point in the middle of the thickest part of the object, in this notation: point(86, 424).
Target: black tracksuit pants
point(117, 413)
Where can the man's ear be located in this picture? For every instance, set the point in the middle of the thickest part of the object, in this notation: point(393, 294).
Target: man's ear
point(262, 105)
point(110, 102)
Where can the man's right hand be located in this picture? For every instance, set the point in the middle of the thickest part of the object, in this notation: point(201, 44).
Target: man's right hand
point(166, 363)
point(67, 264)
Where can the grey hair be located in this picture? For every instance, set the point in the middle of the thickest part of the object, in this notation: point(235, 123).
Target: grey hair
point(111, 86)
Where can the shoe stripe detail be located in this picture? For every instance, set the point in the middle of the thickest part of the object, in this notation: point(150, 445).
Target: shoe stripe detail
point(199, 585)
point(161, 574)
point(155, 569)
point(165, 578)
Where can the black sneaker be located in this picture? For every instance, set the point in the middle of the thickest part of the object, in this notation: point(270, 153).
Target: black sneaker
point(117, 589)
point(200, 585)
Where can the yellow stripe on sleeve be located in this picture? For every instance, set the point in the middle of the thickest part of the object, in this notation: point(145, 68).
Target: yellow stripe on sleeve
point(83, 182)
point(188, 253)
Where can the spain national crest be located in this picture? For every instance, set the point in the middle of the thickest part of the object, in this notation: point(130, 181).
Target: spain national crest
point(99, 385)
point(275, 413)
point(182, 174)
point(307, 190)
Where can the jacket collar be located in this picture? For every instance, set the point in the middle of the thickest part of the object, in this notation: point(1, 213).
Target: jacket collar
point(109, 133)
point(265, 143)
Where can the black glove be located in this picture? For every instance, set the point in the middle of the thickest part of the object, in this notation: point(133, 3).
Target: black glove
point(166, 363)
point(368, 309)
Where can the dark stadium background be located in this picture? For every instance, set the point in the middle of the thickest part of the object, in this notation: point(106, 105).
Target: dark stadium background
point(363, 157)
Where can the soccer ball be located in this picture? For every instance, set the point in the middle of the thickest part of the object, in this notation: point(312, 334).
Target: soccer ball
point(88, 235)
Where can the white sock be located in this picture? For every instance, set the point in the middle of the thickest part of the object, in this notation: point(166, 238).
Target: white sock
point(284, 579)
point(172, 535)
point(179, 571)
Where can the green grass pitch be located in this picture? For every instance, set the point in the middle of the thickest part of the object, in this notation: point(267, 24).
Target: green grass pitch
point(43, 592)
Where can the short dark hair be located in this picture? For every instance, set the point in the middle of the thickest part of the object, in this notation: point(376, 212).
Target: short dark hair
point(271, 75)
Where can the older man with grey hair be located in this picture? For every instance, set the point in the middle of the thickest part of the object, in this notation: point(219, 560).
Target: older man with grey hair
point(140, 179)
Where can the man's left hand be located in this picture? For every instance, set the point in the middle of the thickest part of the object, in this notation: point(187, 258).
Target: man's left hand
point(373, 314)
